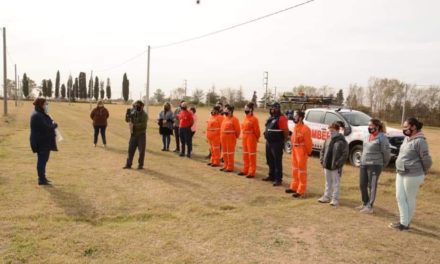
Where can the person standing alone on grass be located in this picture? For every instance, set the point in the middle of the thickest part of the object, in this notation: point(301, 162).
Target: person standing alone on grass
point(229, 132)
point(301, 149)
point(412, 164)
point(166, 119)
point(137, 119)
point(276, 134)
point(99, 115)
point(332, 158)
point(375, 156)
point(251, 135)
point(186, 121)
point(42, 138)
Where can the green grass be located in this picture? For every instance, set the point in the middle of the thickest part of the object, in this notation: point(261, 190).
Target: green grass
point(179, 210)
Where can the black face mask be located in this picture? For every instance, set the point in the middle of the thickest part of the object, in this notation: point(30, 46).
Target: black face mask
point(183, 107)
point(407, 132)
point(247, 112)
point(296, 120)
point(139, 108)
point(371, 130)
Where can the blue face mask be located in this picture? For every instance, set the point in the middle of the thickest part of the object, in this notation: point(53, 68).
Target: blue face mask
point(46, 108)
point(333, 134)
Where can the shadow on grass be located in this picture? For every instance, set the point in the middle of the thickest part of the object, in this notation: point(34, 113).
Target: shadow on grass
point(74, 207)
point(175, 181)
point(421, 229)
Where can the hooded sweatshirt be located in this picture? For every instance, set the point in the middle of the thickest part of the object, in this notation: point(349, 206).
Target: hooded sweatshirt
point(376, 151)
point(414, 158)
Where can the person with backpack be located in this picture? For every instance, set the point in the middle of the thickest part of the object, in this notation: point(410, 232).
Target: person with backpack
point(332, 158)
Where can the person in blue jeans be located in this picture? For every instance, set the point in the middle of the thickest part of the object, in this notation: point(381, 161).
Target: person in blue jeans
point(412, 164)
point(42, 137)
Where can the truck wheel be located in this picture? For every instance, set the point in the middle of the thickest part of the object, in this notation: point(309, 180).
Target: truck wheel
point(355, 155)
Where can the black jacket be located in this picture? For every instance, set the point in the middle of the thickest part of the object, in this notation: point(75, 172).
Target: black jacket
point(42, 132)
point(334, 153)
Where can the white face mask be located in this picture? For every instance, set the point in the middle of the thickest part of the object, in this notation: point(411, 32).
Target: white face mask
point(46, 108)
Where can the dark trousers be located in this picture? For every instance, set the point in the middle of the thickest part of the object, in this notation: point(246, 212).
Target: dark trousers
point(43, 158)
point(368, 179)
point(97, 130)
point(177, 136)
point(185, 140)
point(166, 141)
point(139, 142)
point(274, 158)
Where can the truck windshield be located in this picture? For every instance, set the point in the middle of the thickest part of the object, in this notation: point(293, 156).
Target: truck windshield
point(356, 118)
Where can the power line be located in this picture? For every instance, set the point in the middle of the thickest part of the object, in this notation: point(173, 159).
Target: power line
point(208, 34)
point(234, 26)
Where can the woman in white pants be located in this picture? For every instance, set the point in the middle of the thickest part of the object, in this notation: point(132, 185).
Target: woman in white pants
point(412, 164)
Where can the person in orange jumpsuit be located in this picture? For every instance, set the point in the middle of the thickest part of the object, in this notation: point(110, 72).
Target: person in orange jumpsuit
point(301, 149)
point(229, 132)
point(251, 134)
point(213, 135)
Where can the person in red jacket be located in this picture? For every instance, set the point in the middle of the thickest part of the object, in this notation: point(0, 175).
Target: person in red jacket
point(301, 149)
point(230, 131)
point(99, 115)
point(185, 123)
point(213, 126)
point(251, 134)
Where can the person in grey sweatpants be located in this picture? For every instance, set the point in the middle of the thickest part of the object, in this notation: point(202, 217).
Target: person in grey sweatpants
point(332, 158)
point(412, 164)
point(375, 156)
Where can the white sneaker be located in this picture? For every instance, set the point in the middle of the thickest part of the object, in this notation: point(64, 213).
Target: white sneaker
point(334, 202)
point(360, 207)
point(367, 210)
point(324, 199)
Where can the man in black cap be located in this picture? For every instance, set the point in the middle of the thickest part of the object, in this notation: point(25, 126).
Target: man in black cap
point(276, 133)
point(137, 119)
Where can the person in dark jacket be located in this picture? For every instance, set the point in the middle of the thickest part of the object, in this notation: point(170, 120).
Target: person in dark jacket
point(99, 115)
point(165, 122)
point(42, 137)
point(332, 158)
point(137, 119)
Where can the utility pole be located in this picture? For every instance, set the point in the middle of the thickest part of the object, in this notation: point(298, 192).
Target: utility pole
point(147, 92)
point(16, 85)
point(91, 90)
point(265, 84)
point(275, 94)
point(404, 104)
point(5, 92)
point(185, 85)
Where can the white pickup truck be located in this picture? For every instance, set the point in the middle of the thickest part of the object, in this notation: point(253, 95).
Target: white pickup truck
point(356, 130)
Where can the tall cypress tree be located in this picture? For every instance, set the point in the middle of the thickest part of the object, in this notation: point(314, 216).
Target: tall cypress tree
point(25, 86)
point(49, 88)
point(108, 90)
point(101, 90)
point(63, 91)
point(96, 88)
point(70, 87)
point(90, 90)
point(44, 87)
point(57, 85)
point(82, 85)
point(76, 89)
point(125, 87)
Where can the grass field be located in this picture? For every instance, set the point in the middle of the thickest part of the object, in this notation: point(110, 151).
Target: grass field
point(179, 210)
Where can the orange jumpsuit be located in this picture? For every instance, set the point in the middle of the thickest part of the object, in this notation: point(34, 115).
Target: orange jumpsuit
point(301, 149)
point(213, 135)
point(251, 134)
point(230, 131)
